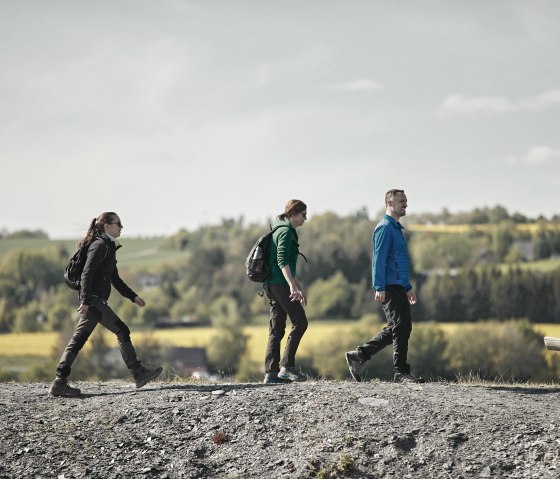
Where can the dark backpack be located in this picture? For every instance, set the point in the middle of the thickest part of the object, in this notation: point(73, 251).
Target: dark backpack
point(75, 267)
point(257, 263)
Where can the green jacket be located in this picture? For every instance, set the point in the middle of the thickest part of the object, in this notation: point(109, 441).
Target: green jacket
point(284, 250)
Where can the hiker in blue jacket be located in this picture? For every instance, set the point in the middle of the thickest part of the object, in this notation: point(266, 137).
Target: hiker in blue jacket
point(390, 269)
point(99, 274)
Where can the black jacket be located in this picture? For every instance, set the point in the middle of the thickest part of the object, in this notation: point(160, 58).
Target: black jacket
point(100, 271)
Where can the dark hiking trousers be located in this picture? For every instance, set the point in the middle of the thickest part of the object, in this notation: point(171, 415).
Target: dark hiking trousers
point(397, 331)
point(101, 313)
point(280, 307)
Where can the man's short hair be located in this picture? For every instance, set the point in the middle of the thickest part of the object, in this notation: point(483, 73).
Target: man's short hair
point(390, 194)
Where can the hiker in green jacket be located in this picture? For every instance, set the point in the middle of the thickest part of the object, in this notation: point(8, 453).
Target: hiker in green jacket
point(286, 296)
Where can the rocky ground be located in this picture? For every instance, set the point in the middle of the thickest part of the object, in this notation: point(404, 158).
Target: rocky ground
point(308, 430)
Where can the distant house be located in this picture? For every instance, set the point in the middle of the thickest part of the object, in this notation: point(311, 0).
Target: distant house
point(149, 281)
point(187, 361)
point(183, 322)
point(525, 248)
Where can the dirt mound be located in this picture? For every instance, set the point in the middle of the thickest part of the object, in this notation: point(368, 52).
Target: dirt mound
point(308, 430)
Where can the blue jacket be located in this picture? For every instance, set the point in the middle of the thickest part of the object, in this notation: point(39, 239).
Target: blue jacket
point(390, 263)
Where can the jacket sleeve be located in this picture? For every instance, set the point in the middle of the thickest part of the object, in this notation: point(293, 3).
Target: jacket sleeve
point(95, 255)
point(121, 286)
point(284, 246)
point(381, 245)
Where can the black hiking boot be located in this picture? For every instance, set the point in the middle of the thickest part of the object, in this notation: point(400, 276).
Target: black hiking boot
point(143, 375)
point(354, 365)
point(407, 378)
point(61, 388)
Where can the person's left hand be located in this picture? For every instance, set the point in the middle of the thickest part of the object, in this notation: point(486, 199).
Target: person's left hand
point(139, 301)
point(411, 296)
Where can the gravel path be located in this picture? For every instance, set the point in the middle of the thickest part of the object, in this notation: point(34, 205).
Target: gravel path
point(308, 430)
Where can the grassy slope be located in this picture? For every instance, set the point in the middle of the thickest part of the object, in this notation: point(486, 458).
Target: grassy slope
point(136, 253)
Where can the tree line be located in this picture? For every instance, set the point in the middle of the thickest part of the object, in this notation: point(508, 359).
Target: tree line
point(457, 277)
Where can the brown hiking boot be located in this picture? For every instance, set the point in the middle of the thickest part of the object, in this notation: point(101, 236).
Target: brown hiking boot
point(61, 388)
point(143, 375)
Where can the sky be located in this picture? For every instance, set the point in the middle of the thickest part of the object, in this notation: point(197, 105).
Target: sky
point(179, 113)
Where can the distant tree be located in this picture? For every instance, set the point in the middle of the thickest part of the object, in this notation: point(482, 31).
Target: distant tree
point(28, 274)
point(503, 239)
point(330, 298)
point(149, 315)
point(541, 248)
point(57, 315)
point(497, 214)
point(518, 218)
point(24, 234)
point(179, 240)
point(509, 351)
point(29, 318)
point(479, 217)
point(228, 345)
point(129, 313)
point(427, 351)
point(6, 316)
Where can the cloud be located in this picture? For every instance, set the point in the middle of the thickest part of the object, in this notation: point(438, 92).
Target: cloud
point(359, 85)
point(535, 156)
point(538, 155)
point(462, 105)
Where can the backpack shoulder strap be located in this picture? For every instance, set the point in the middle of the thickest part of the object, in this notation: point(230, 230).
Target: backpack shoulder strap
point(295, 233)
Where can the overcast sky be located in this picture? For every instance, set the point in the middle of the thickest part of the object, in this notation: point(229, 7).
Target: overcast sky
point(180, 113)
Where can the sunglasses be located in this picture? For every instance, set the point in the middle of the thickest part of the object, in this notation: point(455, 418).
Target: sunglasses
point(117, 223)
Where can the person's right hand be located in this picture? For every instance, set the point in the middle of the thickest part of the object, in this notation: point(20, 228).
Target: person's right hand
point(380, 296)
point(83, 309)
point(296, 294)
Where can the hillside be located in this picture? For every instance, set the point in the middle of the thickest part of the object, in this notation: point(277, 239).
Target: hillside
point(307, 430)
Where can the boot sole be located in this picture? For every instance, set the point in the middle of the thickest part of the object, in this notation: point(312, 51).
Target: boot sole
point(157, 372)
point(62, 395)
point(294, 379)
point(287, 381)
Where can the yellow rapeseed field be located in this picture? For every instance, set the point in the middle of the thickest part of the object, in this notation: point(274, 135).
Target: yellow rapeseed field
point(42, 344)
point(531, 228)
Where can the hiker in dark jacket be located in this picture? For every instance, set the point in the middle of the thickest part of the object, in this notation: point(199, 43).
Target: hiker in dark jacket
point(99, 273)
point(286, 296)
